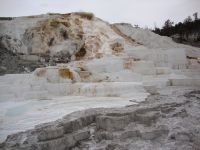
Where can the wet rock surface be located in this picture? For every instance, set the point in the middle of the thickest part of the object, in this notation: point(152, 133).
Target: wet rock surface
point(164, 121)
point(12, 63)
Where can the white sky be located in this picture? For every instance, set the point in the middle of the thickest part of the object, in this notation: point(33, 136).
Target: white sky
point(141, 12)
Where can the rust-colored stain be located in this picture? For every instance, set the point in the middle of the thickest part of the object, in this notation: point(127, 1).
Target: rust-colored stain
point(40, 72)
point(84, 74)
point(92, 45)
point(65, 73)
point(128, 63)
point(99, 55)
point(117, 47)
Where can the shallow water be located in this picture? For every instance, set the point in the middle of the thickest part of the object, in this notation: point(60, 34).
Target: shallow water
point(23, 115)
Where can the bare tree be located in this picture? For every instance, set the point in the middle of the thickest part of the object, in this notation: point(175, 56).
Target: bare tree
point(188, 19)
point(195, 16)
point(168, 24)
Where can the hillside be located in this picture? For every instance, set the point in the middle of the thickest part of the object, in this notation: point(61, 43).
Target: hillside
point(134, 82)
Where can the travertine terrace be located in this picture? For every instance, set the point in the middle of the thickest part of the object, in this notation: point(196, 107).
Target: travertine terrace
point(79, 62)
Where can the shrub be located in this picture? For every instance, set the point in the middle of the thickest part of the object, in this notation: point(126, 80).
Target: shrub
point(54, 23)
point(77, 21)
point(6, 18)
point(86, 15)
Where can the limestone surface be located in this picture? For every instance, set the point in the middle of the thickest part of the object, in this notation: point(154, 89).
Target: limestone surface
point(76, 61)
point(169, 120)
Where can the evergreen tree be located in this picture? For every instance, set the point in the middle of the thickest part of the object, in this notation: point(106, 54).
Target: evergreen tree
point(183, 29)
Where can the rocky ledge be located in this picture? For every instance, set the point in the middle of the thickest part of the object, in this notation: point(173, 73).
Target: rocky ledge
point(164, 121)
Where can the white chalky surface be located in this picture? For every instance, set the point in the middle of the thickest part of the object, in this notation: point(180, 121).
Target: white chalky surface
point(148, 64)
point(23, 115)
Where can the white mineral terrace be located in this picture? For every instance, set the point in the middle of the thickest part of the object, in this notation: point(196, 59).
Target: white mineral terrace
point(24, 103)
point(103, 78)
point(23, 115)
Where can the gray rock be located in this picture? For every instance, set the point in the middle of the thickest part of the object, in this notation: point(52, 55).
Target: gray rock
point(141, 126)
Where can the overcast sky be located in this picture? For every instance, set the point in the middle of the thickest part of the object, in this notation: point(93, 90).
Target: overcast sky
point(141, 12)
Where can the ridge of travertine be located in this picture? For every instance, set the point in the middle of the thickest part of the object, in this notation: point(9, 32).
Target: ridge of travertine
point(169, 121)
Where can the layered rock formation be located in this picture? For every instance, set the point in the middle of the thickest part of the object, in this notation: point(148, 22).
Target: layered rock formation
point(162, 122)
point(78, 54)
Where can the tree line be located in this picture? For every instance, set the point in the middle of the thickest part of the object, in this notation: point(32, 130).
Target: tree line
point(188, 26)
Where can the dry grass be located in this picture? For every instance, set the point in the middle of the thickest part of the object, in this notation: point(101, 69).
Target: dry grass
point(55, 23)
point(66, 24)
point(54, 14)
point(77, 21)
point(86, 15)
